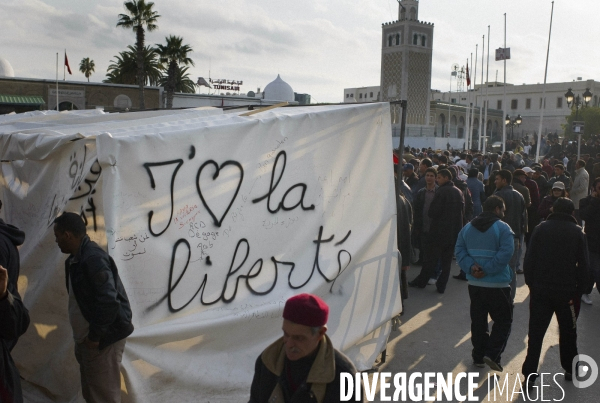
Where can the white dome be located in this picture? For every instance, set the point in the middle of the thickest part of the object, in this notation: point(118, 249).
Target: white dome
point(6, 69)
point(279, 90)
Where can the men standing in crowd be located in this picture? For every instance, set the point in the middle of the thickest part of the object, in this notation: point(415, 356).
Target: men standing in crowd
point(425, 163)
point(559, 176)
point(99, 310)
point(422, 221)
point(303, 365)
point(589, 208)
point(14, 317)
point(515, 217)
point(541, 181)
point(580, 187)
point(483, 249)
point(446, 214)
point(410, 177)
point(556, 271)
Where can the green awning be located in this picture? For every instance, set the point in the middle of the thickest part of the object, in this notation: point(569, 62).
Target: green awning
point(25, 100)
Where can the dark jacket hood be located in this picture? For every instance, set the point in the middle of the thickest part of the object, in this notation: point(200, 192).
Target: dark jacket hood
point(484, 221)
point(16, 236)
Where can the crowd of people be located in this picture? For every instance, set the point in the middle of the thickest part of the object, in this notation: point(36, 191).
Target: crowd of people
point(501, 215)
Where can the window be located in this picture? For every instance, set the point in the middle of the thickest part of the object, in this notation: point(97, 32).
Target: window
point(423, 40)
point(499, 104)
point(528, 103)
point(371, 94)
point(351, 95)
point(453, 100)
point(397, 39)
point(514, 104)
point(415, 39)
point(347, 95)
point(559, 102)
point(360, 96)
point(378, 95)
point(390, 41)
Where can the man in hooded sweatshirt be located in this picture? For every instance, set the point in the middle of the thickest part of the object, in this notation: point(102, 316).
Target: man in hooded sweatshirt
point(14, 317)
point(483, 251)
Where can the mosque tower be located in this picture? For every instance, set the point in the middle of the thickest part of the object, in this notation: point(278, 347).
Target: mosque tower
point(406, 59)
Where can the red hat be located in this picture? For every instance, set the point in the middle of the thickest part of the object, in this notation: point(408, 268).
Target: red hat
point(307, 310)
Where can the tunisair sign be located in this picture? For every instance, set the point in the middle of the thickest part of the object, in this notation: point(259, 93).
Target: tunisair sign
point(224, 84)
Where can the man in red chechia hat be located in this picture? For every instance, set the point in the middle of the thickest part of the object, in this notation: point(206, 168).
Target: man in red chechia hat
point(302, 366)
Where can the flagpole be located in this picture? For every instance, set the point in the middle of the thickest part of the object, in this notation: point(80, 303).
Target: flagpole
point(56, 81)
point(468, 99)
point(487, 89)
point(65, 67)
point(537, 154)
point(470, 143)
point(481, 88)
point(504, 112)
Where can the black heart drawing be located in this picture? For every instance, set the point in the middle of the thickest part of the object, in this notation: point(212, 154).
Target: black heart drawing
point(215, 176)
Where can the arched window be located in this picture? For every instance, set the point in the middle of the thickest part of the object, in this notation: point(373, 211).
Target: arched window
point(413, 13)
point(423, 40)
point(397, 39)
point(403, 14)
point(415, 39)
point(390, 40)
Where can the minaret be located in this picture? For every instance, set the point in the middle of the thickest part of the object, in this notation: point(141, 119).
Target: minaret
point(406, 59)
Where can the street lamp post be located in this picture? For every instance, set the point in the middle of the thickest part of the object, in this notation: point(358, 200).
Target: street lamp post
point(512, 123)
point(576, 101)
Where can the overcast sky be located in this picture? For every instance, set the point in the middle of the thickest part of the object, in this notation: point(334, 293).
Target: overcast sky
point(319, 47)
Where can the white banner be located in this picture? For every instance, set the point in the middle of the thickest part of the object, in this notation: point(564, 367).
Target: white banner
point(214, 221)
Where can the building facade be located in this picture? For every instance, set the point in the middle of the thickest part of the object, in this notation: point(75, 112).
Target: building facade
point(526, 100)
point(74, 95)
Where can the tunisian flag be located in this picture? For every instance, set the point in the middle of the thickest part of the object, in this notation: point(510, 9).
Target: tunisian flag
point(67, 64)
point(468, 78)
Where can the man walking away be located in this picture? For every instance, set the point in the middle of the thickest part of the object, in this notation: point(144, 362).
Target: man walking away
point(446, 214)
point(483, 249)
point(556, 271)
point(515, 216)
point(99, 310)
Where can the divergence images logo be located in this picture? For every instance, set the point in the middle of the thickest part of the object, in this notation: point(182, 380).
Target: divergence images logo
point(582, 366)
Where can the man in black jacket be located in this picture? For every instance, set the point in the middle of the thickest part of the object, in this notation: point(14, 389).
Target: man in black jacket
point(515, 216)
point(446, 214)
point(589, 209)
point(14, 317)
point(302, 366)
point(99, 310)
point(556, 271)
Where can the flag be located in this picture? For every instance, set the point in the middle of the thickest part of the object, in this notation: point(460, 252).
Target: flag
point(202, 82)
point(67, 64)
point(468, 78)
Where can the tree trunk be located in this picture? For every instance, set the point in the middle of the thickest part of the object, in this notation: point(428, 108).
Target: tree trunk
point(140, 64)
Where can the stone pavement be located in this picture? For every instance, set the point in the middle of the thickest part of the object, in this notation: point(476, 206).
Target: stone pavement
point(435, 337)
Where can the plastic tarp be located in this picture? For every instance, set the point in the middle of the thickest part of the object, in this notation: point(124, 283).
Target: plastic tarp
point(214, 220)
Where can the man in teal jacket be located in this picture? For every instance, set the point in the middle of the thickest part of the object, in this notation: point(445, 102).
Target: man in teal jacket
point(483, 250)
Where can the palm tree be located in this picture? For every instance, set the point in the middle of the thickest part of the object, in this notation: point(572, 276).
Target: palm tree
point(140, 15)
point(123, 70)
point(183, 82)
point(87, 67)
point(174, 54)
